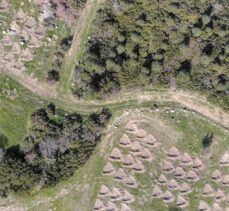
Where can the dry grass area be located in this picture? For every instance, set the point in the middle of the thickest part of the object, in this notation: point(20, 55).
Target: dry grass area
point(21, 36)
point(30, 36)
point(25, 33)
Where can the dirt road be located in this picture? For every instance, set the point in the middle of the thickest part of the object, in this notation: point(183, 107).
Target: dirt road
point(192, 101)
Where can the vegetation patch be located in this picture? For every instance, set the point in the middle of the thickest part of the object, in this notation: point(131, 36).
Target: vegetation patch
point(16, 106)
point(56, 145)
point(172, 44)
point(171, 128)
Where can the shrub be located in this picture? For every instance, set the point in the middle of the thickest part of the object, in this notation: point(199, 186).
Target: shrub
point(207, 140)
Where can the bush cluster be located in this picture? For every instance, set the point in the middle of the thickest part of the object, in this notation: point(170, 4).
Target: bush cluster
point(54, 73)
point(166, 43)
point(56, 145)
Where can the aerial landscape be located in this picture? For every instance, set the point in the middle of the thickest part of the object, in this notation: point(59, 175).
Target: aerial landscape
point(114, 105)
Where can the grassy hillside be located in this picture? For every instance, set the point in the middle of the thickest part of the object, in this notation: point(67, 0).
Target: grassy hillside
point(181, 128)
point(135, 58)
point(16, 106)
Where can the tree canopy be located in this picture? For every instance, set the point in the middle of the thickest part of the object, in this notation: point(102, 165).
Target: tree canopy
point(162, 43)
point(58, 142)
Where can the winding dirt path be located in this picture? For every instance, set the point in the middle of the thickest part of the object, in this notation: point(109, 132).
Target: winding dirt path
point(190, 100)
point(38, 88)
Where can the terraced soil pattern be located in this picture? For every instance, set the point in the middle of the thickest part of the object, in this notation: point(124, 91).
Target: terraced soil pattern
point(179, 178)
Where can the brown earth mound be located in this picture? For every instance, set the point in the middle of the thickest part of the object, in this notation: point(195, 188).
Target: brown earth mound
point(162, 179)
point(203, 206)
point(173, 185)
point(125, 141)
point(125, 207)
point(98, 205)
point(216, 207)
point(179, 172)
point(131, 181)
point(116, 194)
point(136, 148)
point(186, 159)
point(167, 197)
point(225, 180)
point(111, 206)
point(116, 154)
point(108, 169)
point(120, 174)
point(217, 175)
point(127, 197)
point(181, 202)
point(157, 192)
point(173, 153)
point(4, 6)
point(198, 164)
point(208, 190)
point(192, 176)
point(104, 191)
point(167, 167)
point(220, 196)
point(131, 126)
point(128, 160)
point(138, 167)
point(224, 161)
point(185, 189)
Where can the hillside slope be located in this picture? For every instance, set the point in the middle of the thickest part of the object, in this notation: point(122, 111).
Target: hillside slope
point(114, 105)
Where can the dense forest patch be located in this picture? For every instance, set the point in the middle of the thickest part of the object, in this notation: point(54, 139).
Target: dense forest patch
point(162, 43)
point(56, 145)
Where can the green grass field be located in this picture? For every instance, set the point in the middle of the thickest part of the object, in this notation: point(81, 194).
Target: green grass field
point(16, 106)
